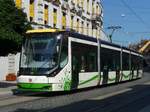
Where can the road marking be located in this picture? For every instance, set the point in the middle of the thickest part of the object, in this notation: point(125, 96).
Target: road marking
point(16, 100)
point(107, 96)
point(111, 94)
point(145, 109)
point(147, 83)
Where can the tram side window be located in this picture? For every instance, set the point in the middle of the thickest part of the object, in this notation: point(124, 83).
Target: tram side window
point(140, 62)
point(125, 61)
point(85, 57)
point(64, 53)
point(91, 61)
point(110, 59)
point(135, 62)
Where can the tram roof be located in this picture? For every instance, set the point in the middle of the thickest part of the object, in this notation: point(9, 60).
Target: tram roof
point(80, 36)
point(44, 31)
point(85, 37)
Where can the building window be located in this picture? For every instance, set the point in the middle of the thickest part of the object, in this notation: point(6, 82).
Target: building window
point(98, 32)
point(63, 20)
point(45, 22)
point(87, 29)
point(72, 21)
point(55, 17)
point(82, 2)
point(82, 26)
point(18, 3)
point(78, 1)
point(31, 19)
point(88, 7)
point(63, 27)
point(97, 10)
point(31, 8)
point(46, 14)
point(54, 25)
point(77, 25)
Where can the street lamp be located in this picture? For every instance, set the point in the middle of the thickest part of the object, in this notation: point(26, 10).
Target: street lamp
point(113, 28)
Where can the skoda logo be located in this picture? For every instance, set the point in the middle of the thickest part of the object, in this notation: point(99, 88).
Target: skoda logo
point(30, 80)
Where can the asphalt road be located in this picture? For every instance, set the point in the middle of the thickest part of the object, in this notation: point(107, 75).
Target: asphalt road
point(131, 96)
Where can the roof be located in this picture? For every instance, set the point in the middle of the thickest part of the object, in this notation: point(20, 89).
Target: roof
point(43, 31)
point(145, 46)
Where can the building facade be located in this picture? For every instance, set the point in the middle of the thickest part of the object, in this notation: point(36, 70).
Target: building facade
point(83, 16)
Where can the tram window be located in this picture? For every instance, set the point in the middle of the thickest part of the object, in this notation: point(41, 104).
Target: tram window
point(140, 62)
point(132, 62)
point(86, 57)
point(64, 53)
point(125, 61)
point(135, 62)
point(110, 59)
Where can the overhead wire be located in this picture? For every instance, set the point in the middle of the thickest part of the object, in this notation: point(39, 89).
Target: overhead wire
point(135, 14)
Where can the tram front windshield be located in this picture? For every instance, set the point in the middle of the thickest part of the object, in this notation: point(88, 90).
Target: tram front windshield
point(40, 53)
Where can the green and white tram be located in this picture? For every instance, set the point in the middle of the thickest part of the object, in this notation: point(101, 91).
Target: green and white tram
point(54, 60)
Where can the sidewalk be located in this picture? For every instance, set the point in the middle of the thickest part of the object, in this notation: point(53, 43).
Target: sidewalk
point(6, 87)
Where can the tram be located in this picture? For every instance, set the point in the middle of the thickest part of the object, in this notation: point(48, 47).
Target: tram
point(59, 60)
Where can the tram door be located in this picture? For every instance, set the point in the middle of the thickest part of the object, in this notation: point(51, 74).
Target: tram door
point(75, 72)
point(75, 65)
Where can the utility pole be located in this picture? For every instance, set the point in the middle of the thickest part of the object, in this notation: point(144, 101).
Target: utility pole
point(113, 28)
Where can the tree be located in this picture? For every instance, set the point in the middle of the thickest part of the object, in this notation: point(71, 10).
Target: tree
point(13, 25)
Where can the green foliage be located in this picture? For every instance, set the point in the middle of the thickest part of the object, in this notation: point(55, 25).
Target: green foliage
point(13, 25)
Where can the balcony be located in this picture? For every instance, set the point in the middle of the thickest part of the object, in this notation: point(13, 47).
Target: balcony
point(73, 10)
point(72, 5)
point(55, 2)
point(65, 5)
point(40, 4)
point(79, 13)
point(79, 6)
point(97, 18)
point(95, 24)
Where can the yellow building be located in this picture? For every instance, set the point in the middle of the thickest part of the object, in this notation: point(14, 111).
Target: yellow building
point(83, 16)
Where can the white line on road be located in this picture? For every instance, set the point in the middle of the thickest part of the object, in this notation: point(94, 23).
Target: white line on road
point(17, 99)
point(111, 94)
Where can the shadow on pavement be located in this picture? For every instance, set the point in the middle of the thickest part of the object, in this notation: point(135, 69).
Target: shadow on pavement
point(130, 101)
point(147, 69)
point(6, 84)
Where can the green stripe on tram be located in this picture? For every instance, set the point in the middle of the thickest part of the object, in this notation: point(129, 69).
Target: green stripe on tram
point(34, 86)
point(89, 80)
point(112, 79)
point(126, 76)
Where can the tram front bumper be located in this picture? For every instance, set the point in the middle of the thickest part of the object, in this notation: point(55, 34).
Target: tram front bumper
point(39, 87)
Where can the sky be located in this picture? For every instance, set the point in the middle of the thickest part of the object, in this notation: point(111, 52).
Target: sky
point(132, 15)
